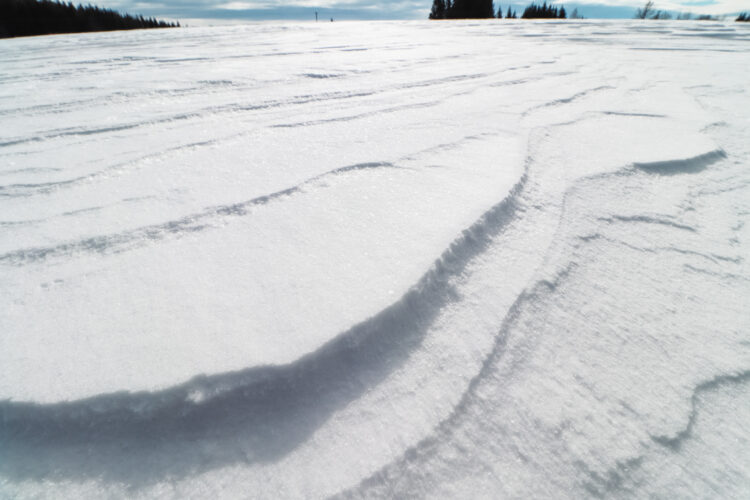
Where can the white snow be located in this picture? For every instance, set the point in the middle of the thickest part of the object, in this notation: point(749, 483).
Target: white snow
point(389, 259)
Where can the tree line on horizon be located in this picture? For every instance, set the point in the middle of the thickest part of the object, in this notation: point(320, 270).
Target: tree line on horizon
point(44, 17)
point(484, 9)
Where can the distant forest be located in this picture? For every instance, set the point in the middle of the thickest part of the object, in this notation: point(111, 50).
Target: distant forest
point(43, 17)
point(484, 9)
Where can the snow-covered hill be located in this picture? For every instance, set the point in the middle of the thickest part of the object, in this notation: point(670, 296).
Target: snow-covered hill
point(389, 259)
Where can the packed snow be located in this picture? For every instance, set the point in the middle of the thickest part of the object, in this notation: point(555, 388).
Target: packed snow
point(376, 259)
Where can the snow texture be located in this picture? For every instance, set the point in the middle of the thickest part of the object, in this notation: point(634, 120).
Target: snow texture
point(387, 259)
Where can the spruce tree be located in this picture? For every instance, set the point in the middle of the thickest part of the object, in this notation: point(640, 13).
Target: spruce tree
point(485, 9)
point(438, 9)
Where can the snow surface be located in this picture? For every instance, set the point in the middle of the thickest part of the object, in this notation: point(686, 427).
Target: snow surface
point(387, 259)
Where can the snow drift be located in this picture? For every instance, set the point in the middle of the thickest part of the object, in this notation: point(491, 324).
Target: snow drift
point(470, 259)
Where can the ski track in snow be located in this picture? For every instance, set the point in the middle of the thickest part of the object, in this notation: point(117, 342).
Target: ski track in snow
point(301, 261)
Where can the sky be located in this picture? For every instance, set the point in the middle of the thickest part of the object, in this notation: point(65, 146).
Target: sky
point(224, 11)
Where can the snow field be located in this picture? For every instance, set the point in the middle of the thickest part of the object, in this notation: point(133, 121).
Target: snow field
point(426, 260)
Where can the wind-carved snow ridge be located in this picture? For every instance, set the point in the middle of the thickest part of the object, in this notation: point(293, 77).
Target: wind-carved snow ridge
point(566, 100)
point(269, 409)
point(648, 220)
point(29, 189)
point(420, 466)
point(675, 441)
point(388, 474)
point(178, 117)
point(129, 240)
point(297, 100)
point(683, 166)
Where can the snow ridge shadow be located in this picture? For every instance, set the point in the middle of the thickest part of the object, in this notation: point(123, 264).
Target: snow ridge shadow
point(676, 441)
point(254, 415)
point(683, 166)
point(394, 472)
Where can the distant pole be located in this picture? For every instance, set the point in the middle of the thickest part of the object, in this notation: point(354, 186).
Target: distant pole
point(316, 16)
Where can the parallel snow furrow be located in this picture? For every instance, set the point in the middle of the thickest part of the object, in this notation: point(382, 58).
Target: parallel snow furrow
point(128, 240)
point(29, 189)
point(235, 108)
point(647, 220)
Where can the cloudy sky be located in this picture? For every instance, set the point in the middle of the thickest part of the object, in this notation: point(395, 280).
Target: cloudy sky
point(220, 11)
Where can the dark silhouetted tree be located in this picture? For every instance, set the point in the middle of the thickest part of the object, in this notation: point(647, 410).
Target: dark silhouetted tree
point(470, 9)
point(41, 17)
point(661, 14)
point(500, 12)
point(646, 11)
point(438, 10)
point(486, 9)
point(744, 17)
point(543, 11)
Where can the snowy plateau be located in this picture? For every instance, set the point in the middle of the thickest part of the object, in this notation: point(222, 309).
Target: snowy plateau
point(377, 259)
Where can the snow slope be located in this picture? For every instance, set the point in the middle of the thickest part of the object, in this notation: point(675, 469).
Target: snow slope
point(391, 259)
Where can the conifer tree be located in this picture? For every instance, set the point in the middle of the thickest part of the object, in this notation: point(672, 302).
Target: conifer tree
point(438, 9)
point(41, 17)
point(485, 9)
point(470, 9)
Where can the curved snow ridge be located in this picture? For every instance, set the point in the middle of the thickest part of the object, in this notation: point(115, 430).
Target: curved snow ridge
point(647, 220)
point(235, 108)
point(716, 274)
point(136, 238)
point(711, 257)
point(71, 213)
point(389, 474)
point(30, 189)
point(323, 76)
point(569, 99)
point(199, 113)
point(386, 475)
point(690, 165)
point(422, 300)
point(78, 104)
point(273, 408)
point(675, 441)
point(634, 114)
point(359, 116)
point(30, 170)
